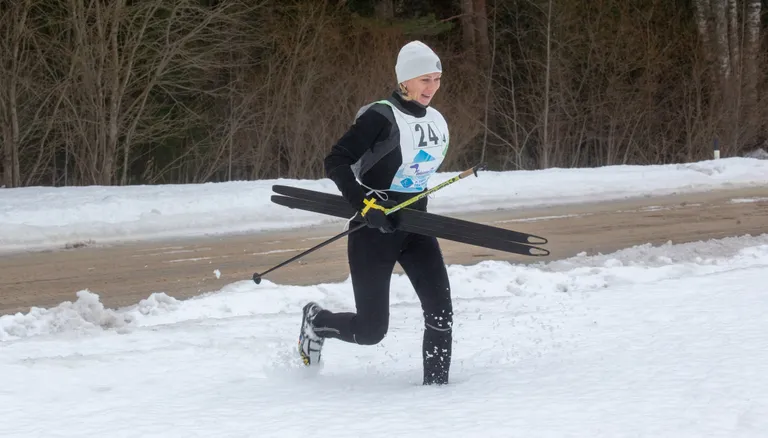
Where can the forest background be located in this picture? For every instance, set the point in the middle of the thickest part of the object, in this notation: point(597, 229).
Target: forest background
point(119, 92)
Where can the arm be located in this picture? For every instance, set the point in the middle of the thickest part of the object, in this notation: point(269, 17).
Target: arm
point(370, 128)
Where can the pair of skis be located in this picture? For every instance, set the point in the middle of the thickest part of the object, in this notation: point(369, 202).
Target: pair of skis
point(408, 220)
point(416, 221)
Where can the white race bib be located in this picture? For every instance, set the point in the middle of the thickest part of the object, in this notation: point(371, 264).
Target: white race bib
point(423, 144)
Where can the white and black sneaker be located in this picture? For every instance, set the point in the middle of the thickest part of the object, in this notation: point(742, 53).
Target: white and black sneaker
point(310, 344)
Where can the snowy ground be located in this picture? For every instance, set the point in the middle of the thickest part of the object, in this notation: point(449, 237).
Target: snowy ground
point(667, 341)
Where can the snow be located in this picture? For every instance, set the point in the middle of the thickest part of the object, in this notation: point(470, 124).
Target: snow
point(649, 341)
point(748, 200)
point(759, 153)
point(45, 217)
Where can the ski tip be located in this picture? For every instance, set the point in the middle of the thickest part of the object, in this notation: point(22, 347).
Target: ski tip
point(280, 189)
point(537, 240)
point(278, 198)
point(538, 252)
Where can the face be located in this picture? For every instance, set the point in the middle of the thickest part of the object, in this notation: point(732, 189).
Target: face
point(423, 88)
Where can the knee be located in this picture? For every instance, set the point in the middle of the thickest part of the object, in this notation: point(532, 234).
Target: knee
point(371, 332)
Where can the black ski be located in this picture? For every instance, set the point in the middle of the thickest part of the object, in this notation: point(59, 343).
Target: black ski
point(417, 217)
point(436, 227)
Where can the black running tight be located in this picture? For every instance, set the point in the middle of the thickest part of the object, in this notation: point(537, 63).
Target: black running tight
point(372, 257)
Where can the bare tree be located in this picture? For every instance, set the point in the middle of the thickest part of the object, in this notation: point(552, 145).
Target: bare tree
point(469, 35)
point(153, 91)
point(15, 58)
point(733, 36)
point(703, 12)
point(722, 48)
point(750, 69)
point(31, 91)
point(545, 145)
point(474, 28)
point(482, 40)
point(731, 40)
point(134, 64)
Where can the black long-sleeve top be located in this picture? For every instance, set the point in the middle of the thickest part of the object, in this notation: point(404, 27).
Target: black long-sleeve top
point(374, 128)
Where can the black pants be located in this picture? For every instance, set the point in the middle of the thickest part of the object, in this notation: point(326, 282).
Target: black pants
point(372, 257)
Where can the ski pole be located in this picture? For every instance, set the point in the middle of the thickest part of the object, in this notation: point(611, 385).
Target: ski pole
point(257, 276)
point(471, 171)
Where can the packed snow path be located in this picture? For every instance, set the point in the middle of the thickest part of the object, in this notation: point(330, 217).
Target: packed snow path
point(124, 274)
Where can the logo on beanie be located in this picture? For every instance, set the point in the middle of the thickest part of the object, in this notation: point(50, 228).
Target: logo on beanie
point(439, 66)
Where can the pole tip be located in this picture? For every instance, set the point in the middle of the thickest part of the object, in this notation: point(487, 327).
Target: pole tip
point(256, 278)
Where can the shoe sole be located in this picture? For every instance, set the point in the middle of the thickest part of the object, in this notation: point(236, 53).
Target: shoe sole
point(304, 358)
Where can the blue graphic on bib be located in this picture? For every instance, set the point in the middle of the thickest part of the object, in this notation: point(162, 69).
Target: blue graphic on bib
point(413, 177)
point(423, 157)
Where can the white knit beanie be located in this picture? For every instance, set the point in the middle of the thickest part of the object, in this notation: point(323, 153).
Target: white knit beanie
point(416, 59)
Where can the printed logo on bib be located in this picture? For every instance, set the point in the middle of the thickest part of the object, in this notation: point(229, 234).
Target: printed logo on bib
point(413, 177)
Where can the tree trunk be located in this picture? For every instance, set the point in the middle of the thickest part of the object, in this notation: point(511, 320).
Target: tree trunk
point(385, 9)
point(733, 36)
point(545, 147)
point(12, 157)
point(115, 92)
point(750, 60)
point(11, 163)
point(7, 156)
point(468, 28)
point(723, 54)
point(703, 12)
point(481, 32)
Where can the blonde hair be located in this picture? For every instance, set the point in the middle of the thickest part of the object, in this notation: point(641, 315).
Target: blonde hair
point(404, 92)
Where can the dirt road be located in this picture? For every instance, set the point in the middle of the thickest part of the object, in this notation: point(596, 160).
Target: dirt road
point(124, 274)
